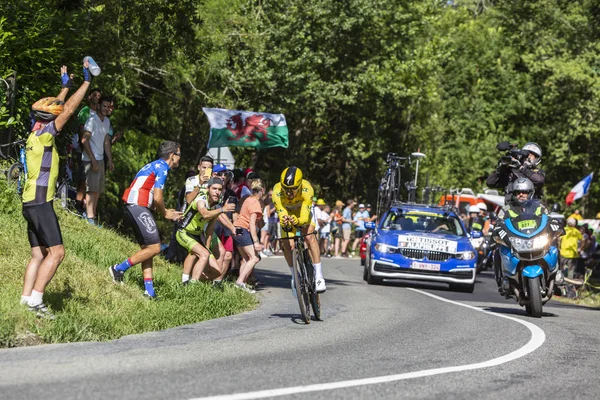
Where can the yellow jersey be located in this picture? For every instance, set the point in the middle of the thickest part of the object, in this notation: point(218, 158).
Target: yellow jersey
point(300, 205)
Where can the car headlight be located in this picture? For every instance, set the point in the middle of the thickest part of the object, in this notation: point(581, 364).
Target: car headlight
point(537, 243)
point(476, 242)
point(465, 255)
point(383, 248)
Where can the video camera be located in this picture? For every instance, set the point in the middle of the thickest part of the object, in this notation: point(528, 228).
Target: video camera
point(514, 156)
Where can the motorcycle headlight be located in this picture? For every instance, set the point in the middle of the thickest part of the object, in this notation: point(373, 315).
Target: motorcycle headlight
point(537, 243)
point(465, 255)
point(383, 248)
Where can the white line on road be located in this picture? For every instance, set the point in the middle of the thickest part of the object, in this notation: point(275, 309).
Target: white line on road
point(537, 339)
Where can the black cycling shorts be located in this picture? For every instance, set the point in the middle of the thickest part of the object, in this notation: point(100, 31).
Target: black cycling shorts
point(42, 225)
point(144, 226)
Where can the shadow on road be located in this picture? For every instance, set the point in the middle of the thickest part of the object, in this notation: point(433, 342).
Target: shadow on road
point(295, 318)
point(516, 311)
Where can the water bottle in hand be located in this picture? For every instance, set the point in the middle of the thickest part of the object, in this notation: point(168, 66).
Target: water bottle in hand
point(93, 67)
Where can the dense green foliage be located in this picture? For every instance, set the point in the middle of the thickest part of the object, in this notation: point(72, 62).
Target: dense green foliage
point(355, 79)
point(88, 305)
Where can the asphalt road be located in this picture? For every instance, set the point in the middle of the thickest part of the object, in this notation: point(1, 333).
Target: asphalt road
point(390, 341)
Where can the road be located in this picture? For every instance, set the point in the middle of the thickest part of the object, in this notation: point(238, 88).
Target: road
point(376, 342)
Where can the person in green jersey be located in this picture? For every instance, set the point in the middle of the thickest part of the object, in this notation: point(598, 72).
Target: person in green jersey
point(196, 233)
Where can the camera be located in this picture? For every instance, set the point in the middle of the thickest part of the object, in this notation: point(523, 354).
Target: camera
point(514, 156)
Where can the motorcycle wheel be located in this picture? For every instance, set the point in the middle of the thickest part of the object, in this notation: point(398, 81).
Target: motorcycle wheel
point(535, 298)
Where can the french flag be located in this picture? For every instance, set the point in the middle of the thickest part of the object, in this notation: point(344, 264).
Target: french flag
point(580, 190)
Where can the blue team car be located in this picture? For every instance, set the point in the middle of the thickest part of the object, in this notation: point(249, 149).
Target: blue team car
point(423, 243)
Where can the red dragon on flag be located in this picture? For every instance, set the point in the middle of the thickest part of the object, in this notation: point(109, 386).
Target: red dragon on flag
point(254, 128)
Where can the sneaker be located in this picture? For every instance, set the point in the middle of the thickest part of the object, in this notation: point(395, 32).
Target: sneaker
point(117, 276)
point(91, 221)
point(147, 296)
point(185, 283)
point(294, 289)
point(245, 288)
point(321, 285)
point(217, 285)
point(269, 253)
point(42, 311)
point(264, 253)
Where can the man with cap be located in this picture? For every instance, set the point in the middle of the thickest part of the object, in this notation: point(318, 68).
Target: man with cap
point(360, 218)
point(223, 233)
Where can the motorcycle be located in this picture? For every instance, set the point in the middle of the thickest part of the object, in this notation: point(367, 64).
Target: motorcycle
point(528, 256)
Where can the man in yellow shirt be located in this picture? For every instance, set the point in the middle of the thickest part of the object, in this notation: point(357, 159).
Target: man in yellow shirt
point(292, 198)
point(569, 245)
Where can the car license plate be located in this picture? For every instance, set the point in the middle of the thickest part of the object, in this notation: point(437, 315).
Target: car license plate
point(426, 266)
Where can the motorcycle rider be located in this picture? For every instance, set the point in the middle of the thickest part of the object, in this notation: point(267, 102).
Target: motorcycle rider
point(507, 173)
point(523, 190)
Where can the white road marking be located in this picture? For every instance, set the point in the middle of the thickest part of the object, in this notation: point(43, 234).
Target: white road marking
point(538, 337)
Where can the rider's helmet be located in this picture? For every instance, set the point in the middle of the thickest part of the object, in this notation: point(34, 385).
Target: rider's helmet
point(555, 208)
point(473, 209)
point(522, 185)
point(291, 179)
point(534, 149)
point(482, 206)
point(493, 216)
point(47, 109)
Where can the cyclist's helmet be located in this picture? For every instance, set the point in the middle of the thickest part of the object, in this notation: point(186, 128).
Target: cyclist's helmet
point(534, 149)
point(47, 109)
point(523, 185)
point(291, 178)
point(493, 216)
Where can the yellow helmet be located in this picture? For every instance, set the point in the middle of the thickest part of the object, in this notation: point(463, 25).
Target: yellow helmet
point(291, 178)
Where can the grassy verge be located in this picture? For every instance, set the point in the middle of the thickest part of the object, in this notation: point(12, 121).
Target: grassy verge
point(591, 300)
point(88, 306)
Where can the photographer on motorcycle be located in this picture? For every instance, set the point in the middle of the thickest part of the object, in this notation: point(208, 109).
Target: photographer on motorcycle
point(517, 164)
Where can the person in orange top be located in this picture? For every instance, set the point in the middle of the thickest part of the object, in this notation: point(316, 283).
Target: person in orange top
point(246, 237)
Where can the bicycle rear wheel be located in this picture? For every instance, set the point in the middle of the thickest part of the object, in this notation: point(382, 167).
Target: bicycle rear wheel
point(315, 299)
point(301, 286)
point(16, 176)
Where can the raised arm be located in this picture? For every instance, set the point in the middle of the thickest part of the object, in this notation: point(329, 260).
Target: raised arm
point(74, 101)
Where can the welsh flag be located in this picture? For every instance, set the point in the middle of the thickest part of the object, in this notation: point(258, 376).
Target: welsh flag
point(246, 129)
point(580, 189)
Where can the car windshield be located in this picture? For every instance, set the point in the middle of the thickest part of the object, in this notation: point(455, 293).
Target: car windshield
point(417, 221)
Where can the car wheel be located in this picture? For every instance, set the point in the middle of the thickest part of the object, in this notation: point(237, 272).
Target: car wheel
point(462, 287)
point(371, 280)
point(365, 273)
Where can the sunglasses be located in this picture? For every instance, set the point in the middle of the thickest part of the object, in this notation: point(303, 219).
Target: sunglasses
point(522, 192)
point(292, 189)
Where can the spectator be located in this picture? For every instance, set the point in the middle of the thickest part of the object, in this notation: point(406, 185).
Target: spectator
point(273, 225)
point(195, 184)
point(373, 217)
point(316, 216)
point(583, 251)
point(244, 188)
point(347, 222)
point(224, 233)
point(325, 227)
point(568, 244)
point(266, 230)
point(360, 218)
point(96, 144)
point(246, 239)
point(85, 114)
point(146, 191)
point(175, 252)
point(43, 231)
point(199, 219)
point(336, 227)
point(576, 215)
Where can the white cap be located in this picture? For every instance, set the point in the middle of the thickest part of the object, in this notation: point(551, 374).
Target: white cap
point(361, 205)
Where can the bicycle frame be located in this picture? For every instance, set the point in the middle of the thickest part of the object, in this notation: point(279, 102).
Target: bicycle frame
point(304, 279)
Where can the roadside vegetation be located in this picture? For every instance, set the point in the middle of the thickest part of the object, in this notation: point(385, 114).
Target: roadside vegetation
point(87, 304)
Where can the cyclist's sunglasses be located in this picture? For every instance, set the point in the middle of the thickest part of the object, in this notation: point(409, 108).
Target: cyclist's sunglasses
point(291, 190)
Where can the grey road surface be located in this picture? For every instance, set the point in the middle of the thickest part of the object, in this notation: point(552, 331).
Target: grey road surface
point(375, 342)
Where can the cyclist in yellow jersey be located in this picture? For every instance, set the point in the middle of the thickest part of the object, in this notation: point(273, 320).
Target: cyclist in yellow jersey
point(292, 198)
point(50, 115)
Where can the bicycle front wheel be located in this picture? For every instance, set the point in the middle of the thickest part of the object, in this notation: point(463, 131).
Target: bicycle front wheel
point(315, 299)
point(302, 290)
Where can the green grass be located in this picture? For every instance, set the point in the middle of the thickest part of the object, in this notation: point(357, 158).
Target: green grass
point(87, 304)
